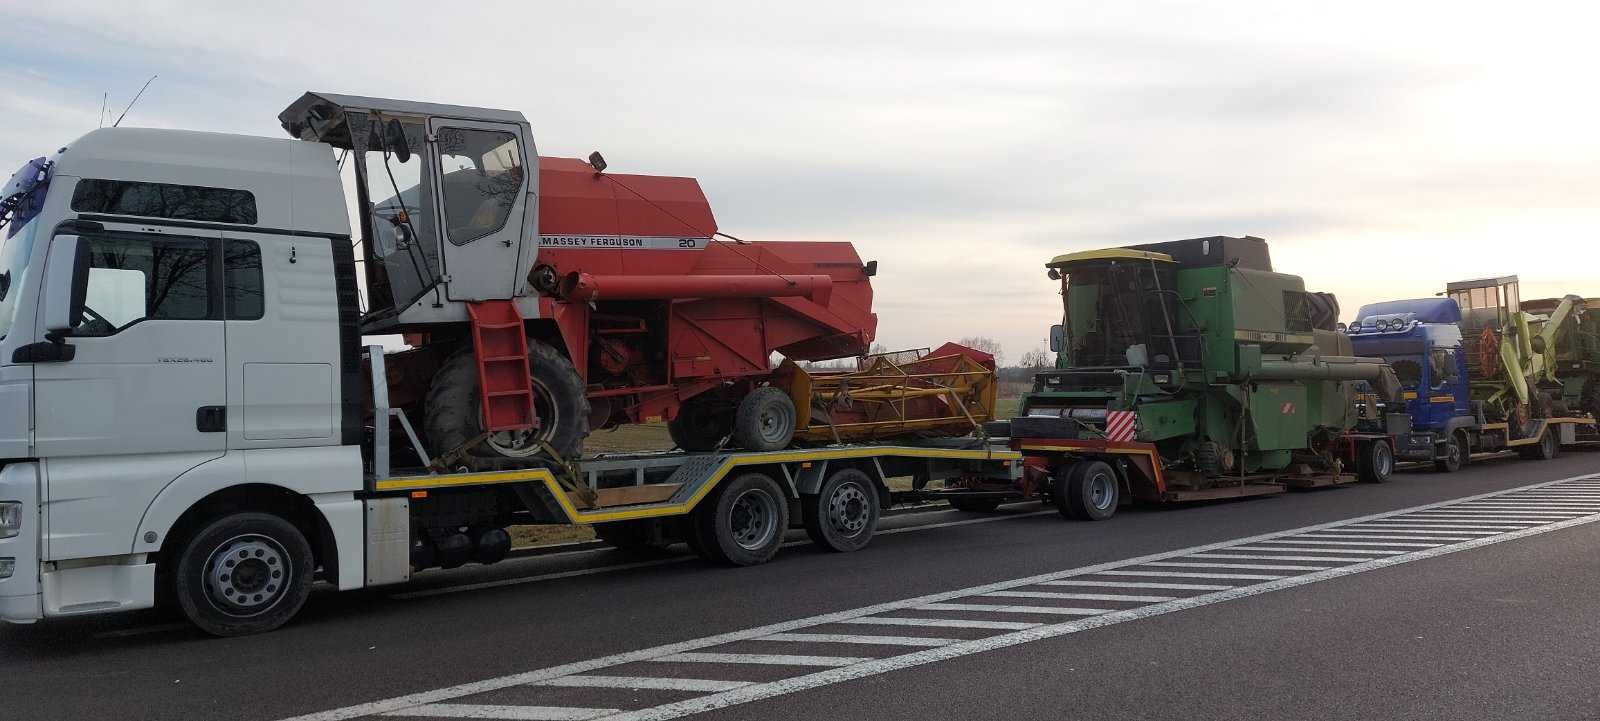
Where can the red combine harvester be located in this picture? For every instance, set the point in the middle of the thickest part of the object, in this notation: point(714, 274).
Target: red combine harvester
point(543, 304)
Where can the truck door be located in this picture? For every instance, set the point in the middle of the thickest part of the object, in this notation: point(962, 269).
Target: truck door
point(282, 340)
point(139, 403)
point(486, 197)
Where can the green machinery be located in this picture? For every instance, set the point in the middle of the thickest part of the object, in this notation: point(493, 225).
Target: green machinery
point(1575, 358)
point(1518, 351)
point(1191, 365)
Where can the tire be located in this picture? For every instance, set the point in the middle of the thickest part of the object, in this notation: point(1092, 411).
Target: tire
point(844, 514)
point(454, 417)
point(267, 584)
point(765, 420)
point(744, 524)
point(1455, 454)
point(974, 505)
point(1548, 447)
point(1376, 463)
point(1088, 491)
point(700, 424)
point(635, 537)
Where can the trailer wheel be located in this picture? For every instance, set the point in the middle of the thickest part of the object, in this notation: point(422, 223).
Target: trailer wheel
point(844, 514)
point(1455, 455)
point(744, 524)
point(1087, 491)
point(765, 420)
point(1376, 463)
point(974, 505)
point(244, 573)
point(1547, 447)
point(454, 416)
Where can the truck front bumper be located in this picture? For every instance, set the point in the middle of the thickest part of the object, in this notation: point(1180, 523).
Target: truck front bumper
point(20, 597)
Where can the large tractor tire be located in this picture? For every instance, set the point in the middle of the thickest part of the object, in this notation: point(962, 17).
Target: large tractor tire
point(765, 420)
point(454, 415)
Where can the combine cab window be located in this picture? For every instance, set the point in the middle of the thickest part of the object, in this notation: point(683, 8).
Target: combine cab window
point(135, 279)
point(482, 177)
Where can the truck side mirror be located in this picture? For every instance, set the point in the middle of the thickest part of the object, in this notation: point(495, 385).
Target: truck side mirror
point(66, 283)
point(1058, 338)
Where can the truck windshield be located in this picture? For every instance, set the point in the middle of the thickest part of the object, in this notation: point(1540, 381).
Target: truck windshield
point(20, 203)
point(13, 261)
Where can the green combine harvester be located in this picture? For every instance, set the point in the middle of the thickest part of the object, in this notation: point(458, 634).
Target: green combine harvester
point(1191, 370)
point(1575, 359)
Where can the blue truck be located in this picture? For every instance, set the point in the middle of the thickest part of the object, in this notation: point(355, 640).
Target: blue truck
point(1439, 354)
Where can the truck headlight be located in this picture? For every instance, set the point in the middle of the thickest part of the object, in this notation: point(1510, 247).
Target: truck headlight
point(10, 519)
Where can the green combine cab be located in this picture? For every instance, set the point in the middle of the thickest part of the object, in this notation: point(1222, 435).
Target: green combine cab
point(1192, 370)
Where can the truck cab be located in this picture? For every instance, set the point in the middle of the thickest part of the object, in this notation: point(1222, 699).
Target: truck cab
point(1422, 340)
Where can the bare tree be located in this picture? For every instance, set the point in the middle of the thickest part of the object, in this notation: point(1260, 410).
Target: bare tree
point(987, 345)
point(1036, 358)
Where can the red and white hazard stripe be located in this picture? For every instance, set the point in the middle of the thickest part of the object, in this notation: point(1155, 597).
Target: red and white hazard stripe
point(1120, 425)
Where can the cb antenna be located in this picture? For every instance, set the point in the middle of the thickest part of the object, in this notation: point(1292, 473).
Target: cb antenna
point(103, 97)
point(134, 100)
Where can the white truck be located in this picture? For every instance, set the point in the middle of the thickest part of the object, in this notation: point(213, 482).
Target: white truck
point(192, 412)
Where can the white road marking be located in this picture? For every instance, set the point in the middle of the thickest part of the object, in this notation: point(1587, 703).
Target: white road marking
point(1414, 532)
point(862, 640)
point(514, 713)
point(1399, 535)
point(1408, 523)
point(1139, 584)
point(1183, 574)
point(1240, 566)
point(1035, 633)
point(1354, 543)
point(1080, 596)
point(1364, 551)
point(939, 622)
point(1270, 557)
point(998, 608)
point(763, 659)
point(703, 685)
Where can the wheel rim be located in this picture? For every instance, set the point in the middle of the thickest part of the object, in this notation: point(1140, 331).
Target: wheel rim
point(247, 575)
point(1453, 454)
point(521, 444)
point(753, 519)
point(849, 509)
point(1102, 490)
point(776, 425)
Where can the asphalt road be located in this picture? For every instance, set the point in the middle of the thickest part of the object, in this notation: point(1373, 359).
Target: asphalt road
point(1493, 630)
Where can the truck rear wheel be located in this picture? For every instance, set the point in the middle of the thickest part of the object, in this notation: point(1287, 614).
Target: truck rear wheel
point(454, 415)
point(1454, 456)
point(744, 524)
point(1547, 448)
point(243, 573)
point(1376, 463)
point(765, 420)
point(844, 514)
point(1087, 491)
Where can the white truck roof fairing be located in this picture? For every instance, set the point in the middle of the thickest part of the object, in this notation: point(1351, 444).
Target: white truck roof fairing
point(296, 184)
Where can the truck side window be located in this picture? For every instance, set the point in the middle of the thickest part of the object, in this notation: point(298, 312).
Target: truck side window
point(241, 269)
point(481, 174)
point(135, 279)
point(1444, 366)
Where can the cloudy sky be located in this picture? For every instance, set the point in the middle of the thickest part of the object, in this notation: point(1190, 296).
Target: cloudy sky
point(1383, 148)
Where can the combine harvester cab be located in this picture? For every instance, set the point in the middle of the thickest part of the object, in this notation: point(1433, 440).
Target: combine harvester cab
point(545, 297)
point(1190, 370)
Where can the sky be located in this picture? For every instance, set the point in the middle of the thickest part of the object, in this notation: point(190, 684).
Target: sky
point(1382, 148)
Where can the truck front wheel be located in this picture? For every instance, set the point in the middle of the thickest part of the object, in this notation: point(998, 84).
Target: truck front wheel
point(1454, 454)
point(243, 573)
